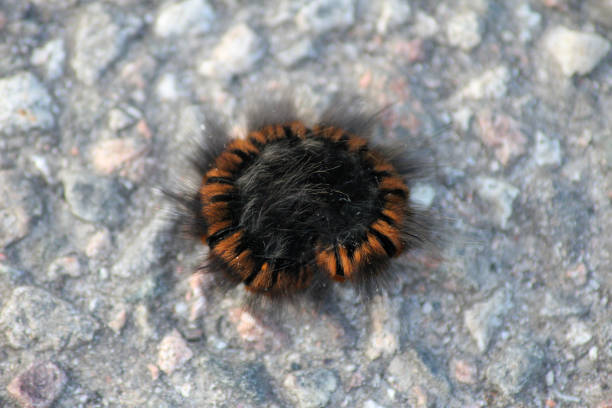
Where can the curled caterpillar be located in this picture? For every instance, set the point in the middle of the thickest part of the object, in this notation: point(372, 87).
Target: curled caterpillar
point(293, 206)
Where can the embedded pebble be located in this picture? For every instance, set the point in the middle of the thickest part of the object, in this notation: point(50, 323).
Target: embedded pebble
point(578, 274)
point(145, 252)
point(25, 104)
point(425, 26)
point(464, 30)
point(51, 57)
point(491, 84)
point(503, 134)
point(408, 374)
point(385, 328)
point(555, 306)
point(188, 16)
point(528, 20)
point(252, 330)
point(422, 195)
point(514, 366)
point(578, 333)
point(372, 404)
point(547, 151)
point(119, 119)
point(34, 318)
point(95, 199)
point(312, 388)
point(483, 318)
point(38, 386)
point(118, 319)
point(391, 14)
point(110, 155)
point(574, 51)
point(168, 88)
point(238, 51)
point(295, 52)
point(64, 266)
point(98, 244)
point(173, 352)
point(99, 40)
point(19, 206)
point(464, 371)
point(321, 16)
point(501, 195)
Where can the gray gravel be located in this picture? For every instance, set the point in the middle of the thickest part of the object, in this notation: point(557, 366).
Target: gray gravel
point(98, 303)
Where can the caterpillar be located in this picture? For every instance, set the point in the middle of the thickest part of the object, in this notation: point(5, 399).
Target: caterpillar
point(293, 206)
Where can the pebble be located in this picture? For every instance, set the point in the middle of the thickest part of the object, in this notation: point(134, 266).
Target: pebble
point(372, 404)
point(311, 388)
point(118, 319)
point(483, 318)
point(238, 51)
point(168, 88)
point(464, 371)
point(500, 195)
point(578, 274)
point(425, 26)
point(528, 21)
point(110, 155)
point(95, 199)
point(600, 11)
point(321, 16)
point(503, 134)
point(407, 373)
point(99, 39)
point(295, 52)
point(145, 252)
point(515, 366)
point(252, 330)
point(51, 57)
point(98, 244)
point(578, 333)
point(25, 104)
point(34, 318)
point(38, 386)
point(391, 14)
point(554, 306)
point(69, 266)
point(385, 328)
point(574, 51)
point(20, 204)
point(547, 151)
point(422, 195)
point(188, 16)
point(491, 84)
point(463, 30)
point(120, 119)
point(173, 352)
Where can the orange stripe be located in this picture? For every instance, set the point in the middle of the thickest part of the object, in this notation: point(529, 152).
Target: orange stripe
point(345, 262)
point(216, 172)
point(243, 263)
point(298, 129)
point(395, 212)
point(214, 212)
point(392, 183)
point(244, 145)
point(258, 136)
point(390, 232)
point(327, 261)
point(207, 191)
point(384, 167)
point(226, 248)
point(336, 134)
point(374, 247)
point(263, 280)
point(269, 133)
point(228, 161)
point(355, 143)
point(218, 226)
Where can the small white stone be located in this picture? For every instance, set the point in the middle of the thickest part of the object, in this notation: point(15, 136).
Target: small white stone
point(52, 57)
point(168, 88)
point(193, 16)
point(237, 52)
point(491, 84)
point(578, 334)
point(528, 19)
point(392, 13)
point(422, 195)
point(463, 30)
point(501, 195)
point(425, 25)
point(547, 151)
point(574, 51)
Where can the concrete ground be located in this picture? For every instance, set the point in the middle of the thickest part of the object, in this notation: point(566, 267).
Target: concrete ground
point(512, 100)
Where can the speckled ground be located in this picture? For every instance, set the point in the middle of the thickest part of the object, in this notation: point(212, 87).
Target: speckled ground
point(98, 306)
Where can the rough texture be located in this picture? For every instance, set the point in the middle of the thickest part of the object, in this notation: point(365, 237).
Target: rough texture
point(510, 100)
